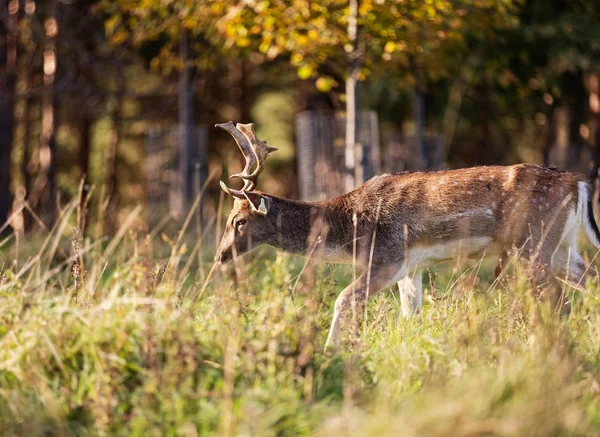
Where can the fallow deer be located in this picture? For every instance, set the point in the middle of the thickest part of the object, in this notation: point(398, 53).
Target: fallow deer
point(395, 225)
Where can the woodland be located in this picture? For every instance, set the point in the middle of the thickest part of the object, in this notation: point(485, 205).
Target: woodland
point(114, 318)
point(497, 82)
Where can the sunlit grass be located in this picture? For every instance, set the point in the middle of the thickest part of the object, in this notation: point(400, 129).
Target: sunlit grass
point(129, 336)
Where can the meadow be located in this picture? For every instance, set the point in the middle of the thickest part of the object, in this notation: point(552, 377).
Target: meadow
point(138, 334)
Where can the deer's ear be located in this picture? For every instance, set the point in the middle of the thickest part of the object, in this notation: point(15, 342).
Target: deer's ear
point(258, 202)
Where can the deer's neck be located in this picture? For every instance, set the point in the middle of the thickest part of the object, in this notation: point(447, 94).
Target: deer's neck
point(302, 225)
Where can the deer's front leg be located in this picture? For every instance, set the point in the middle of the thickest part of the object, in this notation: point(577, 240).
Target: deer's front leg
point(351, 300)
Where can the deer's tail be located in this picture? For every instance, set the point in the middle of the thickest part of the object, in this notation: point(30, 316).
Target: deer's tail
point(585, 206)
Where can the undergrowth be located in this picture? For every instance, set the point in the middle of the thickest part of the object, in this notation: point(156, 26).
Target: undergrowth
point(141, 335)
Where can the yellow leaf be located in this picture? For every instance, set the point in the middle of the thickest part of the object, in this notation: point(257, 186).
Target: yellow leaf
point(325, 84)
point(390, 47)
point(305, 72)
point(243, 41)
point(297, 58)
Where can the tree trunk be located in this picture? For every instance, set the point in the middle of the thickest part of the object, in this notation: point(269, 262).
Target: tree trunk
point(576, 98)
point(26, 160)
point(246, 92)
point(594, 87)
point(397, 156)
point(485, 152)
point(594, 172)
point(47, 151)
point(549, 138)
point(187, 130)
point(419, 120)
point(240, 75)
point(85, 147)
point(28, 101)
point(8, 63)
point(112, 151)
point(25, 167)
point(596, 167)
point(352, 98)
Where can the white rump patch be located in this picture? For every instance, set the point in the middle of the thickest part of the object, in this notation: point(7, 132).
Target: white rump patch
point(582, 212)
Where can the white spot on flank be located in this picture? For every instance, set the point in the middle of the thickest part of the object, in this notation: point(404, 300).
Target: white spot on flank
point(512, 177)
point(459, 215)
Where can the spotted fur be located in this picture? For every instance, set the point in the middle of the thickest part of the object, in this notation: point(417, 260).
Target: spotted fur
point(395, 225)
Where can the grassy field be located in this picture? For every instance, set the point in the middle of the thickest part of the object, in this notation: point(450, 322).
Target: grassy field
point(126, 336)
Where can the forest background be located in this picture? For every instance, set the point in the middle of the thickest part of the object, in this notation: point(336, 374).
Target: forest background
point(85, 83)
point(114, 319)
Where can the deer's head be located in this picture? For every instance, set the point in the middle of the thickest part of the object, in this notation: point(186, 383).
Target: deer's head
point(248, 224)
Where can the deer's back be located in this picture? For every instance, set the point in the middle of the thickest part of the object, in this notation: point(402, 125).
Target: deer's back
point(502, 203)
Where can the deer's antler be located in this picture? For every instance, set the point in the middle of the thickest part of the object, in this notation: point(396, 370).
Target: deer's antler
point(255, 152)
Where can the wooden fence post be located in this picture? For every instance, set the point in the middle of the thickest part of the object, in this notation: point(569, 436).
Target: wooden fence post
point(321, 148)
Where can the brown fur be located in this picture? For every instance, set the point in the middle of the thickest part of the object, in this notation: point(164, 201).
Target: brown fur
point(523, 206)
point(511, 205)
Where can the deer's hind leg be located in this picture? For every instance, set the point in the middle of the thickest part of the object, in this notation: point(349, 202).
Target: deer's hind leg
point(540, 255)
point(411, 293)
point(571, 266)
point(546, 286)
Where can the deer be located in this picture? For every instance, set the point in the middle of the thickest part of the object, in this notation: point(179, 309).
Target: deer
point(395, 225)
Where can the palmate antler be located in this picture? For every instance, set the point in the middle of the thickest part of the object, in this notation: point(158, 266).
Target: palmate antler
point(255, 152)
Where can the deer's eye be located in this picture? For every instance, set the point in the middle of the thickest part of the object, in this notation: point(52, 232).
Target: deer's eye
point(239, 223)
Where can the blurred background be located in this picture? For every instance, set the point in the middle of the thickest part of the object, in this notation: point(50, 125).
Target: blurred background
point(114, 102)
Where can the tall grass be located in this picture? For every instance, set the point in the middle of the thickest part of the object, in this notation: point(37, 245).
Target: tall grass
point(135, 335)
